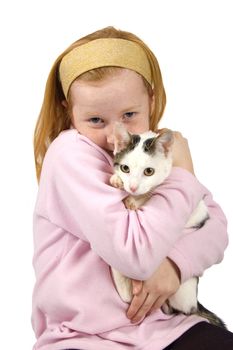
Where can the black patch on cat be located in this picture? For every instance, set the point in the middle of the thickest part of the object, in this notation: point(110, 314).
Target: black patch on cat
point(134, 141)
point(202, 223)
point(149, 145)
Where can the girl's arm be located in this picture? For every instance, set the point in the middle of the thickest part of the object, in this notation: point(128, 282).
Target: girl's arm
point(194, 252)
point(197, 250)
point(75, 194)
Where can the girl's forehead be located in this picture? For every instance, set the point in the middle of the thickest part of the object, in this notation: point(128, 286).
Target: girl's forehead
point(126, 83)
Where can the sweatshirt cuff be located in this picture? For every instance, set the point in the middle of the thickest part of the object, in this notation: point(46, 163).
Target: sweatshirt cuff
point(182, 263)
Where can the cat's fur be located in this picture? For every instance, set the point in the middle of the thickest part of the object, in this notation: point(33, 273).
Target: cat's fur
point(141, 163)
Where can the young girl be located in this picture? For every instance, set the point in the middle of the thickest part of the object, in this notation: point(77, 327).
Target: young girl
point(81, 226)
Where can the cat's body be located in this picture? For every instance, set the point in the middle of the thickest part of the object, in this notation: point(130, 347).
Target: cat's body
point(141, 163)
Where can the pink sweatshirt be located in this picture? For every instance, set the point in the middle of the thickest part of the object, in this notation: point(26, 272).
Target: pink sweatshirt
point(81, 227)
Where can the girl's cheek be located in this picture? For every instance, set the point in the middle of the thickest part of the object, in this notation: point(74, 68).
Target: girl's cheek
point(139, 129)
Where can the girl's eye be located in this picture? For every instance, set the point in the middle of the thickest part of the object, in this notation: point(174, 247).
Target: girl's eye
point(149, 171)
point(95, 120)
point(124, 168)
point(129, 115)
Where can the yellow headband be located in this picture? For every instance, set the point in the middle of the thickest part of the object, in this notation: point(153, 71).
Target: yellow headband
point(102, 53)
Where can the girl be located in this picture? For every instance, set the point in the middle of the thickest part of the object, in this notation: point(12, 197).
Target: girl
point(81, 226)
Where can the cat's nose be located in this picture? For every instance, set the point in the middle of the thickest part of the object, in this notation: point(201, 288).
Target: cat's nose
point(133, 188)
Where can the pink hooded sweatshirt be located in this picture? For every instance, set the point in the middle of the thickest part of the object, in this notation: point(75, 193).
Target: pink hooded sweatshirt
point(81, 226)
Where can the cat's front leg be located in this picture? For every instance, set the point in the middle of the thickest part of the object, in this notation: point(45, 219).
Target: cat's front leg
point(136, 202)
point(116, 181)
point(131, 203)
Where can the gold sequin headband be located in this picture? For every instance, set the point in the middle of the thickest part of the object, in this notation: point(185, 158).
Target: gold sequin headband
point(101, 53)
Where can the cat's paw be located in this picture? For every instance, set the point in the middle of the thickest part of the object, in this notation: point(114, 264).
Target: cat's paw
point(131, 203)
point(123, 285)
point(116, 181)
point(167, 309)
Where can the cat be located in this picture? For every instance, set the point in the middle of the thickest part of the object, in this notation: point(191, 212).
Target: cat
point(141, 163)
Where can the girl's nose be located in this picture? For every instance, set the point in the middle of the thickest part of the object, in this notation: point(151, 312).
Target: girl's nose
point(109, 134)
point(110, 139)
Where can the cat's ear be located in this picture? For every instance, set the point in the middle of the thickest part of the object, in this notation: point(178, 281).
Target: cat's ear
point(150, 145)
point(165, 140)
point(121, 137)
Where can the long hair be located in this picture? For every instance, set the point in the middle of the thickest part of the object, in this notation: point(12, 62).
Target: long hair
point(54, 117)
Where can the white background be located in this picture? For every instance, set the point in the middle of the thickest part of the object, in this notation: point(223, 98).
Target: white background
point(193, 43)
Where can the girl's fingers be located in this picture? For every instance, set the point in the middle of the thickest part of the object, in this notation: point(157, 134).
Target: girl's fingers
point(136, 303)
point(136, 286)
point(147, 305)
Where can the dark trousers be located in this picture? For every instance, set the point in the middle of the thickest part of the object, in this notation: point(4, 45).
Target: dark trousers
point(202, 336)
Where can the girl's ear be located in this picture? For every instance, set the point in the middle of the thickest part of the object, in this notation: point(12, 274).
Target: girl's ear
point(68, 112)
point(152, 103)
point(64, 103)
point(121, 137)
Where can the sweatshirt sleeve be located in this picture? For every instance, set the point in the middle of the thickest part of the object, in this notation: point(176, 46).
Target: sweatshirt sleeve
point(75, 194)
point(196, 250)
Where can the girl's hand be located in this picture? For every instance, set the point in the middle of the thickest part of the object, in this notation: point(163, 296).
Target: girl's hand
point(151, 294)
point(181, 152)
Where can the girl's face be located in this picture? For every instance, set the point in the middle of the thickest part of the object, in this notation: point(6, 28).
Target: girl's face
point(96, 106)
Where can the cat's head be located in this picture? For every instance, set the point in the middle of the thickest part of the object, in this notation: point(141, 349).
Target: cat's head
point(142, 161)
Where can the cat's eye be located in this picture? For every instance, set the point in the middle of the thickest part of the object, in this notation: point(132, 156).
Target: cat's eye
point(124, 168)
point(149, 171)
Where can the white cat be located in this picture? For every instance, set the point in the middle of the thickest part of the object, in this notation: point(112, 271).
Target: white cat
point(141, 163)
